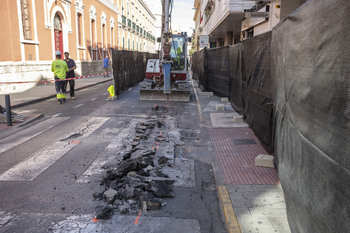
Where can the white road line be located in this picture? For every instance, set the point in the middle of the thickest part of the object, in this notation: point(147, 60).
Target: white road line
point(79, 105)
point(58, 114)
point(16, 139)
point(105, 94)
point(34, 166)
point(93, 99)
point(31, 168)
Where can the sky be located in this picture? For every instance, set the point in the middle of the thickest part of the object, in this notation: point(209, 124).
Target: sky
point(182, 15)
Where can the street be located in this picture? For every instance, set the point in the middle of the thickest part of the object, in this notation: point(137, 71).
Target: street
point(50, 169)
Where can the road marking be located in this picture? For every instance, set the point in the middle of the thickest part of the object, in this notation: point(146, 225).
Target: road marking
point(230, 215)
point(29, 169)
point(201, 118)
point(58, 114)
point(79, 105)
point(109, 152)
point(105, 94)
point(93, 99)
point(16, 139)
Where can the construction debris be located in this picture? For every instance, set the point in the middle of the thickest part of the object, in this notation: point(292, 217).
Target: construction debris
point(137, 180)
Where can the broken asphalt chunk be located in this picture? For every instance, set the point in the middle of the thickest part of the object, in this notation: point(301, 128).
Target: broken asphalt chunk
point(103, 212)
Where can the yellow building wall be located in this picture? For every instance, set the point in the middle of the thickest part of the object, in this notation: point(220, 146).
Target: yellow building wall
point(30, 54)
point(44, 35)
point(9, 36)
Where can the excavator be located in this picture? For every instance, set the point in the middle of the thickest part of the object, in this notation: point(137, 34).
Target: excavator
point(166, 77)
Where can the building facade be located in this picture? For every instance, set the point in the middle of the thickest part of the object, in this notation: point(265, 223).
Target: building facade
point(197, 20)
point(136, 26)
point(88, 29)
point(228, 22)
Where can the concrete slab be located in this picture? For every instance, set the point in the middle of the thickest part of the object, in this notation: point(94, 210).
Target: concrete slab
point(182, 172)
point(201, 93)
point(226, 120)
point(220, 107)
point(264, 161)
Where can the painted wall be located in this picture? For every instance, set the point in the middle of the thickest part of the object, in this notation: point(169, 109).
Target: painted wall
point(9, 35)
point(30, 59)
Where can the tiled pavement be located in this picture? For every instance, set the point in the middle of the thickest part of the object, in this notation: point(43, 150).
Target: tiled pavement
point(259, 208)
point(255, 193)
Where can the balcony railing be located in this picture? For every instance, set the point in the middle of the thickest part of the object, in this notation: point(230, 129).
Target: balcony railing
point(123, 19)
point(129, 23)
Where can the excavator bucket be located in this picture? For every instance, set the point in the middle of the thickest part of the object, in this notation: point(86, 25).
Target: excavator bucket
point(158, 94)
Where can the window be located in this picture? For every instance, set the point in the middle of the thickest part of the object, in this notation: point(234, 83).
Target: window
point(104, 36)
point(25, 10)
point(79, 30)
point(93, 33)
point(123, 44)
point(112, 37)
point(128, 44)
point(250, 32)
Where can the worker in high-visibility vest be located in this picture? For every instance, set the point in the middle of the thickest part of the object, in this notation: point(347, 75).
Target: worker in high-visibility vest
point(59, 69)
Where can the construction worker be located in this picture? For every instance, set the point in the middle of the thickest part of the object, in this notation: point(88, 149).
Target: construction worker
point(70, 74)
point(60, 68)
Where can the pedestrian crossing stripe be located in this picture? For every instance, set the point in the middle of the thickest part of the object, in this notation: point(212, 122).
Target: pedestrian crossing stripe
point(29, 169)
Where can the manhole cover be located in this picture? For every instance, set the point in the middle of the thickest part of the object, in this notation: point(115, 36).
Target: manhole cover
point(189, 134)
point(244, 141)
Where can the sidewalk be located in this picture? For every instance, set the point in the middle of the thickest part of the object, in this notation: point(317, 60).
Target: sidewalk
point(42, 92)
point(251, 196)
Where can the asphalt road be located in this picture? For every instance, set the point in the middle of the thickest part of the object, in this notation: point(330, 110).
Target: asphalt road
point(44, 184)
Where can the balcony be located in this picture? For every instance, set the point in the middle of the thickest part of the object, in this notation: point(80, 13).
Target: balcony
point(123, 19)
point(220, 17)
point(129, 23)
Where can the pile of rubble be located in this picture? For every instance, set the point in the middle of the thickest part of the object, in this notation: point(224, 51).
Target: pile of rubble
point(136, 181)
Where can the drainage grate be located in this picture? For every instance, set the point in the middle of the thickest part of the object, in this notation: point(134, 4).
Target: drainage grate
point(189, 134)
point(244, 141)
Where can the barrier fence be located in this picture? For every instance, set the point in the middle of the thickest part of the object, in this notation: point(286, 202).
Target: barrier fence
point(129, 68)
point(242, 73)
point(293, 87)
point(48, 81)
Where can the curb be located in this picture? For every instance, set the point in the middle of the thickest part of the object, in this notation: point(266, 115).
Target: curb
point(201, 118)
point(230, 215)
point(231, 220)
point(39, 116)
point(40, 99)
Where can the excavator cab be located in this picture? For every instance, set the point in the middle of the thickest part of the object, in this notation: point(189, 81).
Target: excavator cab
point(178, 52)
